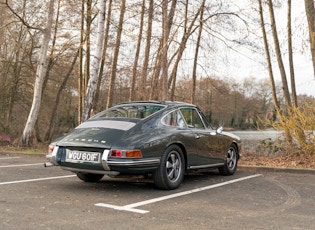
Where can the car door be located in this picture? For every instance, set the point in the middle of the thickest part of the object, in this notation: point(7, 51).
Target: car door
point(207, 142)
point(213, 141)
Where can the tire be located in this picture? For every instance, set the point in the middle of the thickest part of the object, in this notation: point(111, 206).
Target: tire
point(89, 177)
point(170, 172)
point(230, 164)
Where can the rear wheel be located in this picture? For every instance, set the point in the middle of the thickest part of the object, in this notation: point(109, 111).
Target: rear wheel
point(170, 173)
point(89, 177)
point(230, 164)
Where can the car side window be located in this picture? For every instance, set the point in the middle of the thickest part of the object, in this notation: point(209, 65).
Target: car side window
point(192, 118)
point(174, 118)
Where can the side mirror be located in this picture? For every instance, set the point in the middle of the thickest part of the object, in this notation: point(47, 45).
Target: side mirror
point(217, 131)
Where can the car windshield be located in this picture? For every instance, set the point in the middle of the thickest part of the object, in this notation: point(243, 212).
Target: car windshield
point(139, 111)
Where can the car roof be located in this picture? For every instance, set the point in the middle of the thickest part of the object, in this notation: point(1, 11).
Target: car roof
point(166, 103)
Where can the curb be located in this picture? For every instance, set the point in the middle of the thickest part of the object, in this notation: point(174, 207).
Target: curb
point(274, 169)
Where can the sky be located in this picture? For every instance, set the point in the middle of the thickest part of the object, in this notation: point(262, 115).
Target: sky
point(304, 75)
point(245, 64)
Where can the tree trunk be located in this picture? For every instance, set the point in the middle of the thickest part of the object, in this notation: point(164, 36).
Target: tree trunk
point(194, 74)
point(156, 73)
point(136, 59)
point(48, 135)
point(187, 32)
point(164, 63)
point(274, 97)
point(93, 80)
point(292, 76)
point(310, 14)
point(161, 59)
point(50, 65)
point(270, 71)
point(144, 71)
point(86, 75)
point(115, 58)
point(80, 77)
point(286, 92)
point(97, 105)
point(28, 132)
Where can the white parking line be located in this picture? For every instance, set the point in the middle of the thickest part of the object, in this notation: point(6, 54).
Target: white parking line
point(23, 165)
point(131, 207)
point(38, 179)
point(6, 158)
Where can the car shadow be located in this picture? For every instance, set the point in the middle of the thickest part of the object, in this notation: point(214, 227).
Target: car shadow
point(134, 184)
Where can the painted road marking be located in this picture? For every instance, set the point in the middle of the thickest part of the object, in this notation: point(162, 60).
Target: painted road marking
point(6, 158)
point(23, 165)
point(38, 179)
point(132, 207)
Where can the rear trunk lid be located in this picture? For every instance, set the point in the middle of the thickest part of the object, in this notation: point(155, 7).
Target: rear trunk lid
point(96, 133)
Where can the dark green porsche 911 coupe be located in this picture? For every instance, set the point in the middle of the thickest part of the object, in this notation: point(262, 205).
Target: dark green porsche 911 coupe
point(162, 139)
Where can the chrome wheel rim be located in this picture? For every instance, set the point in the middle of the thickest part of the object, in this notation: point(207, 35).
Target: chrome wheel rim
point(231, 159)
point(173, 166)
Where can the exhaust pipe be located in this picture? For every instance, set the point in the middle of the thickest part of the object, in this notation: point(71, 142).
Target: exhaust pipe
point(48, 164)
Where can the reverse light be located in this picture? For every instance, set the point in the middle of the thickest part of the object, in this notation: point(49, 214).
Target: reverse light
point(135, 153)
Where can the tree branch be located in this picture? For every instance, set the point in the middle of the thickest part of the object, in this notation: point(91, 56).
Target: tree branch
point(20, 18)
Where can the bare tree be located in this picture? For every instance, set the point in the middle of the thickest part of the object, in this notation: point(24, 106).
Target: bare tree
point(49, 131)
point(268, 58)
point(96, 104)
point(292, 77)
point(271, 77)
point(88, 24)
point(13, 56)
point(80, 72)
point(144, 70)
point(111, 89)
point(194, 73)
point(94, 78)
point(136, 59)
point(165, 35)
point(278, 54)
point(310, 14)
point(188, 31)
point(51, 60)
point(161, 62)
point(28, 134)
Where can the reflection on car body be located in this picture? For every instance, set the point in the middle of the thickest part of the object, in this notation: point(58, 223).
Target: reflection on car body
point(163, 139)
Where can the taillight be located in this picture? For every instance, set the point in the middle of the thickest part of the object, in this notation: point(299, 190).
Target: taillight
point(135, 153)
point(51, 148)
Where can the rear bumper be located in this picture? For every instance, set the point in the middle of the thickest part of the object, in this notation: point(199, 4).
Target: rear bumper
point(106, 166)
point(129, 165)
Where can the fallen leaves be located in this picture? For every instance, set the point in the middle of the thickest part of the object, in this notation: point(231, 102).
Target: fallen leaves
point(293, 160)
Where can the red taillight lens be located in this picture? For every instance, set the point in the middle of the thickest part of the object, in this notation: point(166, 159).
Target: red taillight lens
point(135, 153)
point(51, 148)
point(116, 153)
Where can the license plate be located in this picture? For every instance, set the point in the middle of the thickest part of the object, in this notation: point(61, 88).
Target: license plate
point(81, 156)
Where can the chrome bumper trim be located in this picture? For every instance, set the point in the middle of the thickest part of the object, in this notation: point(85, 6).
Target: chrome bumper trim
point(126, 162)
point(52, 157)
point(206, 166)
point(105, 158)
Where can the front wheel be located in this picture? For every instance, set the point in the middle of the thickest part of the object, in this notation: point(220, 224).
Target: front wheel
point(230, 164)
point(170, 173)
point(89, 177)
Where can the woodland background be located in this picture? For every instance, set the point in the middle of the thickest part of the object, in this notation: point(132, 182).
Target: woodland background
point(63, 60)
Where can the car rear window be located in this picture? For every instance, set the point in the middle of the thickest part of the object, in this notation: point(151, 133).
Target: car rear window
point(129, 111)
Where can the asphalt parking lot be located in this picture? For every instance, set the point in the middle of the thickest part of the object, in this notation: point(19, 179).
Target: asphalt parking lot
point(34, 197)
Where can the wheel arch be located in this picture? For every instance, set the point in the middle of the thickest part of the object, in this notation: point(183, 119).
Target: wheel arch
point(237, 147)
point(182, 147)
